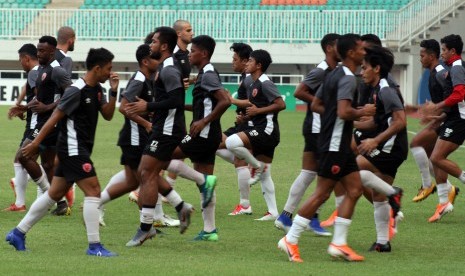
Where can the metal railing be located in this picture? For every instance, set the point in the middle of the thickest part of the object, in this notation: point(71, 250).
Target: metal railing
point(271, 26)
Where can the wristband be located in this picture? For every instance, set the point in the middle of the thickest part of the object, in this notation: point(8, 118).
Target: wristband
point(113, 93)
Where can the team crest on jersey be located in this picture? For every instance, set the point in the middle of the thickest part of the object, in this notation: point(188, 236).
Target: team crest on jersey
point(254, 92)
point(87, 167)
point(44, 75)
point(335, 169)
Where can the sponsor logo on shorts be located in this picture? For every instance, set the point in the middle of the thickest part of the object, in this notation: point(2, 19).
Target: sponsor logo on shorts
point(36, 132)
point(448, 132)
point(335, 169)
point(253, 133)
point(153, 146)
point(87, 167)
point(374, 153)
point(186, 139)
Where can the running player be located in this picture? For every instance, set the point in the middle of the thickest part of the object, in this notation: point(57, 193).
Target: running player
point(77, 115)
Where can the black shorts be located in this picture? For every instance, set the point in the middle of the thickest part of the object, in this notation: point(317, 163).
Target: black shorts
point(262, 143)
point(162, 146)
point(131, 156)
point(311, 142)
point(236, 129)
point(386, 163)
point(200, 150)
point(453, 131)
point(74, 168)
point(336, 165)
point(49, 142)
point(27, 133)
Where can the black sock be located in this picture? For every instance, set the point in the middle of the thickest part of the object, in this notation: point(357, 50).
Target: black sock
point(179, 206)
point(287, 214)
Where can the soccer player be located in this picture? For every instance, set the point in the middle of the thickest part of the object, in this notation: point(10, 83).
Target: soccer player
point(209, 102)
point(382, 154)
point(452, 132)
point(135, 133)
point(50, 84)
point(241, 54)
point(28, 59)
point(305, 91)
point(337, 161)
point(168, 129)
point(185, 34)
point(263, 135)
point(421, 146)
point(77, 115)
point(65, 38)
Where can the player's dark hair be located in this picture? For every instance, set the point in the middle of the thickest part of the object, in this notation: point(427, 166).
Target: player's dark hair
point(99, 56)
point(262, 57)
point(148, 38)
point(372, 39)
point(167, 35)
point(453, 41)
point(329, 39)
point(143, 51)
point(206, 43)
point(347, 42)
point(29, 50)
point(50, 40)
point(382, 57)
point(431, 46)
point(241, 49)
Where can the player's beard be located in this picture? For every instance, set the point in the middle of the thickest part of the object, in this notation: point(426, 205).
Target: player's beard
point(155, 55)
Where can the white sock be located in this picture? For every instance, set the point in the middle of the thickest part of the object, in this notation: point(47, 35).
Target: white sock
point(431, 169)
point(104, 198)
point(299, 225)
point(37, 211)
point(226, 155)
point(42, 181)
point(298, 189)
point(339, 200)
point(117, 178)
point(443, 192)
point(382, 215)
point(370, 180)
point(146, 215)
point(268, 191)
point(39, 192)
point(462, 177)
point(90, 213)
point(20, 184)
point(174, 198)
point(158, 211)
point(236, 146)
point(170, 180)
point(208, 214)
point(180, 168)
point(341, 227)
point(243, 176)
point(422, 160)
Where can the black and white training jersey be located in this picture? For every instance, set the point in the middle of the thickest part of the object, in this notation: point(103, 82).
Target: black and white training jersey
point(261, 93)
point(208, 83)
point(30, 94)
point(336, 133)
point(169, 88)
point(81, 104)
point(457, 75)
point(133, 134)
point(183, 61)
point(64, 60)
point(241, 93)
point(439, 84)
point(387, 100)
point(51, 81)
point(313, 81)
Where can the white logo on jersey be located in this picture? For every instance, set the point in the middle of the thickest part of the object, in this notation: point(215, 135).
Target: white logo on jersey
point(186, 139)
point(253, 133)
point(154, 146)
point(149, 93)
point(88, 101)
point(448, 132)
